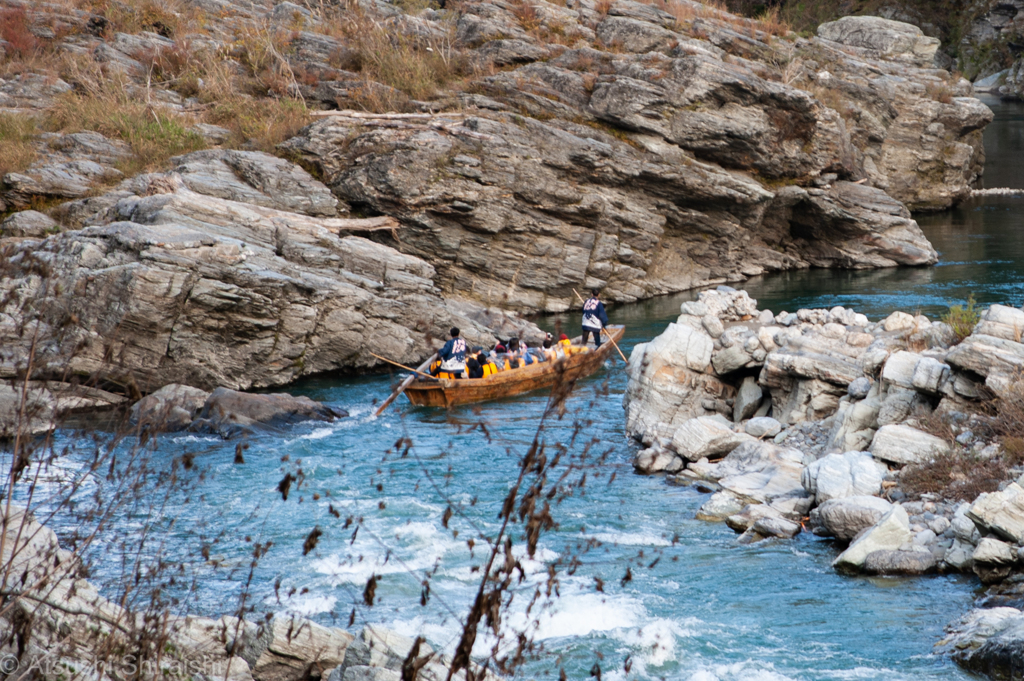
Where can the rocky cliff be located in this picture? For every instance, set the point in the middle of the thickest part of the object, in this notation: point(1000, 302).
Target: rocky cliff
point(638, 149)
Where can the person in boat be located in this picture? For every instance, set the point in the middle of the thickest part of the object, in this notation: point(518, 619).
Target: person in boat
point(452, 356)
point(550, 354)
point(594, 318)
point(487, 365)
point(473, 368)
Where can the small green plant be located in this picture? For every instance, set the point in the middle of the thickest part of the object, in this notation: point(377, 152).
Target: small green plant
point(963, 318)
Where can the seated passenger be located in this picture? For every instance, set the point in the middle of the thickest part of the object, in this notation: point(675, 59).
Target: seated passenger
point(473, 367)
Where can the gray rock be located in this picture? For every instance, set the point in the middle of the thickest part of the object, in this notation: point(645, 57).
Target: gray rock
point(887, 562)
point(657, 459)
point(229, 412)
point(170, 408)
point(845, 518)
point(987, 641)
point(763, 427)
point(28, 223)
point(903, 444)
point(298, 649)
point(255, 178)
point(748, 399)
point(859, 388)
point(194, 289)
point(892, 39)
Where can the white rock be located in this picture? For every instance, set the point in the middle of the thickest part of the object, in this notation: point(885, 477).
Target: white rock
point(1001, 513)
point(890, 533)
point(994, 552)
point(899, 321)
point(762, 472)
point(720, 506)
point(843, 475)
point(929, 375)
point(899, 368)
point(763, 427)
point(903, 444)
point(706, 436)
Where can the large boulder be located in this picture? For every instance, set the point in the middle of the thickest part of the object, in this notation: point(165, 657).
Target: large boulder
point(843, 475)
point(760, 472)
point(845, 518)
point(706, 437)
point(888, 534)
point(299, 649)
point(229, 412)
point(170, 408)
point(987, 641)
point(884, 37)
point(1001, 513)
point(904, 444)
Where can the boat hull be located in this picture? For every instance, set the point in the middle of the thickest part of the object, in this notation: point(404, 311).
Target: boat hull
point(542, 376)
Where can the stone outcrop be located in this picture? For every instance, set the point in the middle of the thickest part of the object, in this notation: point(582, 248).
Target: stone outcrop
point(168, 285)
point(225, 412)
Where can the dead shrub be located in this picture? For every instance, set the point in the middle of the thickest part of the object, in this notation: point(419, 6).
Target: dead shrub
point(526, 15)
point(14, 30)
point(958, 475)
point(940, 92)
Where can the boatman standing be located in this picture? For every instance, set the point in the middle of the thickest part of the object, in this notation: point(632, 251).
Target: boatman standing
point(594, 317)
point(453, 356)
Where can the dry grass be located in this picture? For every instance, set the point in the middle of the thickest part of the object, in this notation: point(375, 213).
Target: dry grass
point(153, 134)
point(17, 150)
point(386, 53)
point(169, 18)
point(260, 123)
point(940, 92)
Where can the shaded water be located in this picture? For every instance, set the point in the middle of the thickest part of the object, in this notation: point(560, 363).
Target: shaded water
point(709, 609)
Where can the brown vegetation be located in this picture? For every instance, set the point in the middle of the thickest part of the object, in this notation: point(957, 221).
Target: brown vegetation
point(17, 150)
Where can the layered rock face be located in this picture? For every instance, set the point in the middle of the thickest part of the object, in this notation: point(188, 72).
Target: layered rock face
point(665, 163)
point(170, 285)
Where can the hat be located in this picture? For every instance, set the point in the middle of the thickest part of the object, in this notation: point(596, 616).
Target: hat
point(563, 337)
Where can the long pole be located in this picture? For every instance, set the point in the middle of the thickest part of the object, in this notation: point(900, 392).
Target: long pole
point(404, 384)
point(605, 331)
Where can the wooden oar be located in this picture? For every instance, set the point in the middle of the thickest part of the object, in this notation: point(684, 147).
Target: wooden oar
point(404, 384)
point(605, 331)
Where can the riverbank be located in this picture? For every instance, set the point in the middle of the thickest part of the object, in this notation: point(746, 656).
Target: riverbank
point(898, 438)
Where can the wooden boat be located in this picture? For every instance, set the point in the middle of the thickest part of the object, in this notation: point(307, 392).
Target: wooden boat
point(449, 393)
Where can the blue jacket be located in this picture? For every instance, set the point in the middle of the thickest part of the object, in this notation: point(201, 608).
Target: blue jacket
point(453, 355)
point(594, 316)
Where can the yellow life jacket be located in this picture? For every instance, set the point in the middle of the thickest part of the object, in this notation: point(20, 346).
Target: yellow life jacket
point(489, 369)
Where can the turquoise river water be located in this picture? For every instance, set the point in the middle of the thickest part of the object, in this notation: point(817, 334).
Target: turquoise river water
point(709, 609)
